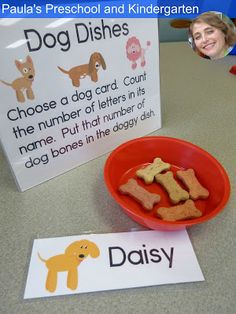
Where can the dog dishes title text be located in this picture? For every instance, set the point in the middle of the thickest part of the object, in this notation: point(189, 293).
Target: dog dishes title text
point(84, 32)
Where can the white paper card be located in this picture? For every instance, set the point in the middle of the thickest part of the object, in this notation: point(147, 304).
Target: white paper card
point(98, 262)
point(73, 89)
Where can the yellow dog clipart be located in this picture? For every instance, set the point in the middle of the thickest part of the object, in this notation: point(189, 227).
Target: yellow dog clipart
point(74, 254)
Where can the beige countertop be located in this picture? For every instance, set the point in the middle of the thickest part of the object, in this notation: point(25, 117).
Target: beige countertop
point(198, 105)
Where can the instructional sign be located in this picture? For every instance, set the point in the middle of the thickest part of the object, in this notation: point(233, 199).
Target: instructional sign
point(72, 90)
point(97, 262)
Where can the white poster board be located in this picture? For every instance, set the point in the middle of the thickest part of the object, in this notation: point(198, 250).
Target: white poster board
point(73, 89)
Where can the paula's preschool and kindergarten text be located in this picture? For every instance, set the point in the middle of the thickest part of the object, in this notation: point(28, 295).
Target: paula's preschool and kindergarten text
point(104, 9)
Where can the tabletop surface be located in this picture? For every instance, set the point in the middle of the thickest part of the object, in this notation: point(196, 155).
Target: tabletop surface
point(198, 105)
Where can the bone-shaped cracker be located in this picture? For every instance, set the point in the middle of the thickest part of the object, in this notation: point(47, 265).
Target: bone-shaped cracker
point(188, 210)
point(148, 173)
point(196, 190)
point(176, 193)
point(141, 195)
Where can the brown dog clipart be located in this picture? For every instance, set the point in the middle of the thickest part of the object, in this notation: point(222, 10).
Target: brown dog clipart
point(74, 254)
point(91, 69)
point(24, 82)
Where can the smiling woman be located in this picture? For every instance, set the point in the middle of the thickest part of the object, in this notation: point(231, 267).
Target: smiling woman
point(212, 36)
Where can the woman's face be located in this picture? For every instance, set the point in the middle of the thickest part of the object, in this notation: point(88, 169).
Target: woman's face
point(209, 40)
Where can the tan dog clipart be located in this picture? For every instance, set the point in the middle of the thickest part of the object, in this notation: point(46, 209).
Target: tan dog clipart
point(74, 254)
point(91, 69)
point(24, 82)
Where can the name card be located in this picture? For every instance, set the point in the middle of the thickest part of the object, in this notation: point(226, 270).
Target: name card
point(98, 262)
point(73, 89)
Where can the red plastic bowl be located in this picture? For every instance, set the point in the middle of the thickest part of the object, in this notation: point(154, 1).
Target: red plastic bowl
point(130, 156)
